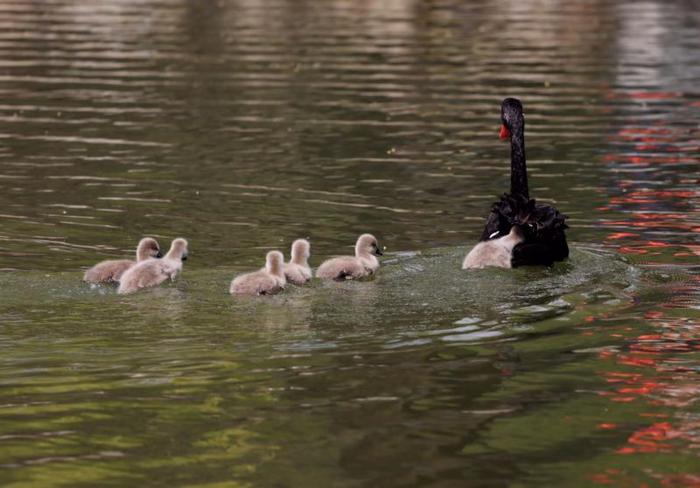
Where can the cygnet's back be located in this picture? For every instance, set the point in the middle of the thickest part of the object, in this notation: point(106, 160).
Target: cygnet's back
point(495, 252)
point(111, 271)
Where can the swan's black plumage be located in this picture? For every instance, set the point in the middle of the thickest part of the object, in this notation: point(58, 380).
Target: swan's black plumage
point(542, 225)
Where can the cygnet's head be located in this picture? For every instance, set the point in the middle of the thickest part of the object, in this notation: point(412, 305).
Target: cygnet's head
point(178, 249)
point(148, 248)
point(273, 262)
point(301, 250)
point(367, 244)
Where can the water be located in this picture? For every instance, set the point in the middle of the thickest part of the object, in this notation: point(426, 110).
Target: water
point(242, 125)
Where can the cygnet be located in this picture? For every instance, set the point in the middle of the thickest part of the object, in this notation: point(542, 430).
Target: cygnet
point(297, 271)
point(494, 252)
point(267, 281)
point(153, 272)
point(364, 263)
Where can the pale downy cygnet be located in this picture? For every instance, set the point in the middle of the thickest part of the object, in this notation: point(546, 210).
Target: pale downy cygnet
point(152, 272)
point(297, 271)
point(495, 252)
point(267, 281)
point(364, 263)
point(111, 271)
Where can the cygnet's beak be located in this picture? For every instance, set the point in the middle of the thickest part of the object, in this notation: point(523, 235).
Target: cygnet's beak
point(184, 257)
point(159, 255)
point(378, 252)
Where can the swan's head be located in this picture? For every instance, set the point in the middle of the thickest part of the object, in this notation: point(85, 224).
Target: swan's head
point(178, 249)
point(511, 117)
point(301, 250)
point(148, 248)
point(367, 244)
point(273, 262)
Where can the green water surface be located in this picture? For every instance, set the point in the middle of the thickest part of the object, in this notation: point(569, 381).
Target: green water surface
point(242, 125)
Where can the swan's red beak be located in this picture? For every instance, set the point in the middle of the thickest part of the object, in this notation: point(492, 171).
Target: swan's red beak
point(505, 133)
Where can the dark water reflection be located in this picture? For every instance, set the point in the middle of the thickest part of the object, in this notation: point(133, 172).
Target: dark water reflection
point(245, 124)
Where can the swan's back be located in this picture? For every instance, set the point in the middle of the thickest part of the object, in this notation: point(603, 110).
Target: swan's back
point(543, 229)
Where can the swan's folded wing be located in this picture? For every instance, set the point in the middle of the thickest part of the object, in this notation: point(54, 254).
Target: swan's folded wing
point(549, 247)
point(543, 226)
point(508, 211)
point(531, 254)
point(492, 227)
point(550, 225)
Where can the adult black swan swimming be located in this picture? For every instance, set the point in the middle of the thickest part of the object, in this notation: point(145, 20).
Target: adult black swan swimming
point(542, 226)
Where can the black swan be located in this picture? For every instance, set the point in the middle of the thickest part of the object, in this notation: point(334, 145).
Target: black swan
point(542, 226)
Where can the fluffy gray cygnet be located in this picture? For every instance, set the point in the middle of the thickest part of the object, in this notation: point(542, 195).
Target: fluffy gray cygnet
point(495, 252)
point(298, 271)
point(267, 281)
point(153, 272)
point(363, 263)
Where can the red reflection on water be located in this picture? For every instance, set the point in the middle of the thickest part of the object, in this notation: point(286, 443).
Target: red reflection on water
point(633, 360)
point(661, 378)
point(652, 216)
point(632, 250)
point(650, 439)
point(662, 437)
point(617, 477)
point(682, 479)
point(621, 235)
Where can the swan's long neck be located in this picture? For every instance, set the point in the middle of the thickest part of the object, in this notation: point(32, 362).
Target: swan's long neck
point(518, 170)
